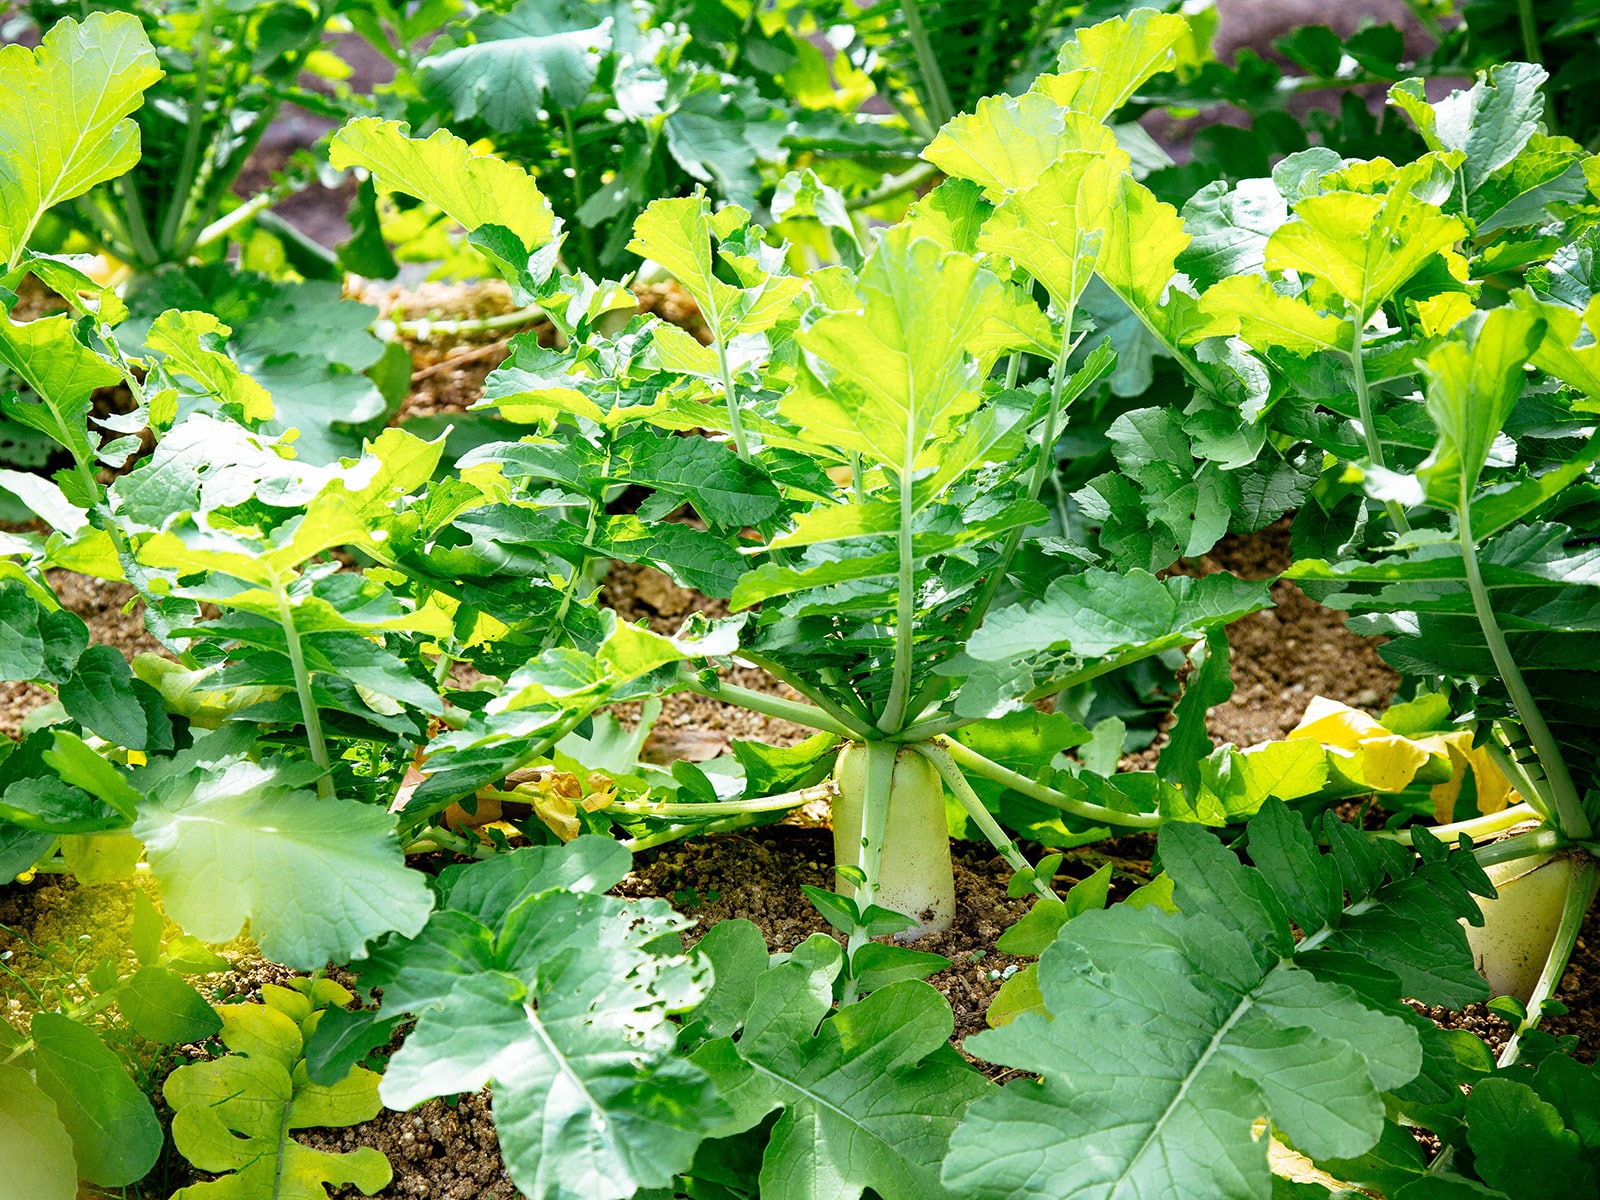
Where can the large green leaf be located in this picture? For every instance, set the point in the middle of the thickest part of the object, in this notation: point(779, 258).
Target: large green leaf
point(1171, 1035)
point(559, 1000)
point(62, 374)
point(870, 1094)
point(1490, 122)
point(34, 1144)
point(316, 879)
point(1104, 65)
point(64, 124)
point(115, 1135)
point(518, 62)
point(1098, 613)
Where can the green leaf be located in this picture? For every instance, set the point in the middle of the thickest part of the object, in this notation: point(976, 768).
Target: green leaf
point(180, 339)
point(1007, 143)
point(1099, 614)
point(1249, 306)
point(115, 1135)
point(1053, 228)
point(34, 1144)
point(888, 380)
point(1165, 1084)
point(869, 1095)
point(560, 1002)
point(64, 124)
point(677, 234)
point(1208, 685)
point(162, 1007)
point(63, 374)
point(1473, 382)
point(517, 64)
point(1490, 122)
point(473, 190)
point(1520, 1144)
point(316, 878)
point(104, 697)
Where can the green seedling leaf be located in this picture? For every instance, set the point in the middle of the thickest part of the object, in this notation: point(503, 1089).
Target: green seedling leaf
point(115, 1135)
point(315, 878)
point(34, 1144)
point(64, 123)
point(181, 340)
point(104, 698)
point(1040, 924)
point(162, 1007)
point(869, 1094)
point(1209, 684)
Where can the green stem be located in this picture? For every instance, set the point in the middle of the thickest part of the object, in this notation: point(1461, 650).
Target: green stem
point(424, 328)
point(1042, 468)
point(144, 245)
point(1569, 810)
point(937, 101)
point(179, 203)
point(772, 706)
point(1034, 790)
point(908, 180)
point(721, 808)
point(1369, 430)
point(859, 728)
point(1579, 896)
point(1523, 845)
point(1529, 27)
point(584, 236)
point(672, 833)
point(893, 717)
point(444, 839)
point(936, 752)
point(302, 685)
point(1475, 828)
point(879, 784)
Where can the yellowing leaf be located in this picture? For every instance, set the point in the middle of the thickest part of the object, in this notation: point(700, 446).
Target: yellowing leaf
point(1052, 230)
point(896, 374)
point(1108, 62)
point(64, 123)
point(472, 189)
point(1008, 142)
point(1248, 306)
point(1363, 246)
point(1494, 791)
